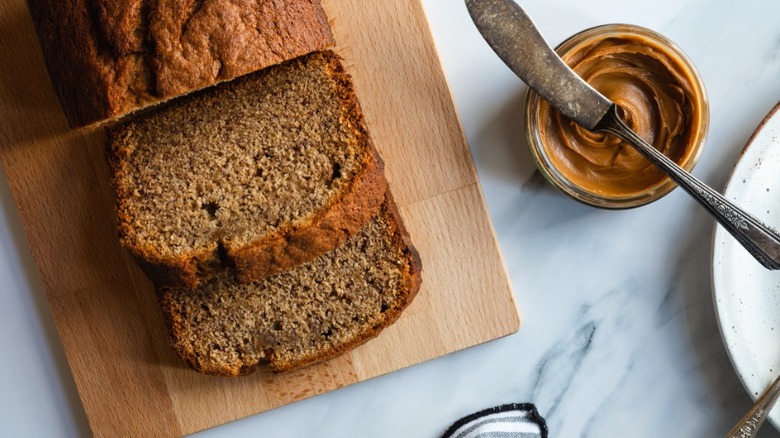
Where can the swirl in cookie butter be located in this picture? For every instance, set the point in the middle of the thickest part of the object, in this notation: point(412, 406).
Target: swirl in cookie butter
point(657, 93)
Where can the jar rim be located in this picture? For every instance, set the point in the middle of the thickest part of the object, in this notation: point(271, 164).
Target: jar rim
point(653, 192)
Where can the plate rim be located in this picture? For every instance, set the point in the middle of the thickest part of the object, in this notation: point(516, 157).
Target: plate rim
point(717, 232)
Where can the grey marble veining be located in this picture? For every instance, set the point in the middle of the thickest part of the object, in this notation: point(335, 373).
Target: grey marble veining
point(620, 335)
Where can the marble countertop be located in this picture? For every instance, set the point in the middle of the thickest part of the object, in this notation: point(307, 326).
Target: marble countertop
point(620, 335)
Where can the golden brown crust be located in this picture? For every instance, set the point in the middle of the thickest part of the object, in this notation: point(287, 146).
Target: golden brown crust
point(107, 58)
point(412, 280)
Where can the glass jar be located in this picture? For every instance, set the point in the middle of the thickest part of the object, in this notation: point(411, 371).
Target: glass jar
point(549, 160)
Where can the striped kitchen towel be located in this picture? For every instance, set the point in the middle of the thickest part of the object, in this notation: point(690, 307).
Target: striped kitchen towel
point(515, 420)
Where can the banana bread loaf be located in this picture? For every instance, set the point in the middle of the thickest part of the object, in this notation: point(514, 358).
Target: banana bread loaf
point(107, 58)
point(258, 174)
point(313, 312)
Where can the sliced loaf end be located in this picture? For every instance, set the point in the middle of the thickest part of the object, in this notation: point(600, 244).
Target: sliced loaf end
point(311, 313)
point(260, 174)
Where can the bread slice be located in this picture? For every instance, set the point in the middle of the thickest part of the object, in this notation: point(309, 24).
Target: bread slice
point(313, 312)
point(259, 174)
point(109, 58)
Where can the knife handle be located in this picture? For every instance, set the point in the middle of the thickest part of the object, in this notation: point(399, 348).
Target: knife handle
point(748, 425)
point(760, 241)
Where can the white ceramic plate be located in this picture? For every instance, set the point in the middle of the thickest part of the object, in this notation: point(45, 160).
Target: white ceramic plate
point(747, 296)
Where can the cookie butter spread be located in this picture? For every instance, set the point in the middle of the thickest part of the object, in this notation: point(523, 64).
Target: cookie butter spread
point(658, 95)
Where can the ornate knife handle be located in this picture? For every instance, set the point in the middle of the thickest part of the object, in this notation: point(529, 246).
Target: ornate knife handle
point(748, 426)
point(761, 241)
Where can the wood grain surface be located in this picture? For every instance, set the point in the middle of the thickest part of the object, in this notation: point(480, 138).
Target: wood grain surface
point(128, 378)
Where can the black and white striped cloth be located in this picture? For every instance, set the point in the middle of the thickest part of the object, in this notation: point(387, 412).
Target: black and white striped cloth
point(516, 420)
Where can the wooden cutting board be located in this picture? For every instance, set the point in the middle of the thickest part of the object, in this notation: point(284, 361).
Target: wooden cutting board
point(130, 382)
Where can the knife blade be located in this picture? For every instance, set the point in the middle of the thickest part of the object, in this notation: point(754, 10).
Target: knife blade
point(511, 33)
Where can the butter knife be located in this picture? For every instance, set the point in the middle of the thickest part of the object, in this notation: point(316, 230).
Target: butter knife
point(511, 33)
